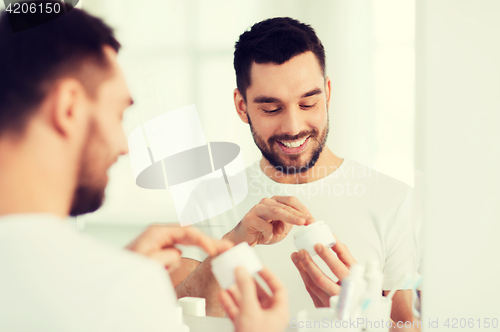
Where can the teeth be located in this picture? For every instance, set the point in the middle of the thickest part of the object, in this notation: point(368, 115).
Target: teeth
point(294, 144)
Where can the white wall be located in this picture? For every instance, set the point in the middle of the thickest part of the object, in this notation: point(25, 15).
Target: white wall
point(458, 116)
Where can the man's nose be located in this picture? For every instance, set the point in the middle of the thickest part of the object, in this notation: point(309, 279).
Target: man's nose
point(291, 122)
point(124, 151)
point(123, 147)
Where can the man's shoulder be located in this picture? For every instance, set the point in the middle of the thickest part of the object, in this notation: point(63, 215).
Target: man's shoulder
point(85, 277)
point(378, 190)
point(36, 238)
point(114, 260)
point(374, 177)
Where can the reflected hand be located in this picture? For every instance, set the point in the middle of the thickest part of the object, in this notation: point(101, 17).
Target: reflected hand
point(318, 285)
point(270, 221)
point(158, 242)
point(250, 308)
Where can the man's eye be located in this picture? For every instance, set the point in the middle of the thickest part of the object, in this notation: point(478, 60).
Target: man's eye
point(308, 106)
point(271, 111)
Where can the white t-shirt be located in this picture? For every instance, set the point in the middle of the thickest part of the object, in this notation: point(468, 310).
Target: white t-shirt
point(56, 280)
point(368, 211)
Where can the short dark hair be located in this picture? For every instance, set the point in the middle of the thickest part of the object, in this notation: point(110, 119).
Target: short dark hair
point(275, 40)
point(33, 59)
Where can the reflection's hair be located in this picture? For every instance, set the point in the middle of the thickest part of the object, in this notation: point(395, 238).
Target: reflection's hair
point(32, 60)
point(274, 40)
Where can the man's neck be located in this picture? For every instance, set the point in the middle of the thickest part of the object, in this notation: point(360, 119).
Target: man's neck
point(327, 163)
point(33, 180)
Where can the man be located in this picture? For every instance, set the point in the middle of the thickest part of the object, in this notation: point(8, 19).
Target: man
point(62, 98)
point(283, 94)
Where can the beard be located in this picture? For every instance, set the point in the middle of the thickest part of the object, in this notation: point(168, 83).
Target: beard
point(85, 200)
point(89, 191)
point(293, 165)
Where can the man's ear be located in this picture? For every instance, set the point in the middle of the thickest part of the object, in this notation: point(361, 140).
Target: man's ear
point(67, 111)
point(328, 90)
point(241, 107)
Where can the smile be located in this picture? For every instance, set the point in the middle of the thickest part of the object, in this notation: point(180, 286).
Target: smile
point(291, 147)
point(294, 144)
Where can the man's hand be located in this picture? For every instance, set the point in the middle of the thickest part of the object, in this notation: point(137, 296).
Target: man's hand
point(270, 221)
point(158, 242)
point(318, 285)
point(250, 308)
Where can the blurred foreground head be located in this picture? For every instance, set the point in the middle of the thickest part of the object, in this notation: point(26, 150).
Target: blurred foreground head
point(61, 89)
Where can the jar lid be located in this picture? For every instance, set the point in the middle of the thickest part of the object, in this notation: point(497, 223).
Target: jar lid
point(224, 265)
point(304, 229)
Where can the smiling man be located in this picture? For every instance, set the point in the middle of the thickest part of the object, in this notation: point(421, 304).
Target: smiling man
point(292, 120)
point(283, 94)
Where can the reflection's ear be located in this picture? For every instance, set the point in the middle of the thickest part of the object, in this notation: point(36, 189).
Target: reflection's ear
point(66, 107)
point(240, 105)
point(328, 90)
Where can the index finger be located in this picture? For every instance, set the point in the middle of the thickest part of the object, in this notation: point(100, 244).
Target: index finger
point(247, 288)
point(191, 236)
point(288, 208)
point(344, 254)
point(296, 204)
point(268, 213)
point(338, 267)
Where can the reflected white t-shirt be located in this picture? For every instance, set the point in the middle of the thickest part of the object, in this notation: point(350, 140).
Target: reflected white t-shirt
point(56, 280)
point(368, 211)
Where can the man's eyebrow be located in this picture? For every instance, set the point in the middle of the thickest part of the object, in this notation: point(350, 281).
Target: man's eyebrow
point(316, 91)
point(266, 100)
point(269, 100)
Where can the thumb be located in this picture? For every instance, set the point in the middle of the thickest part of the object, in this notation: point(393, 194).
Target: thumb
point(246, 284)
